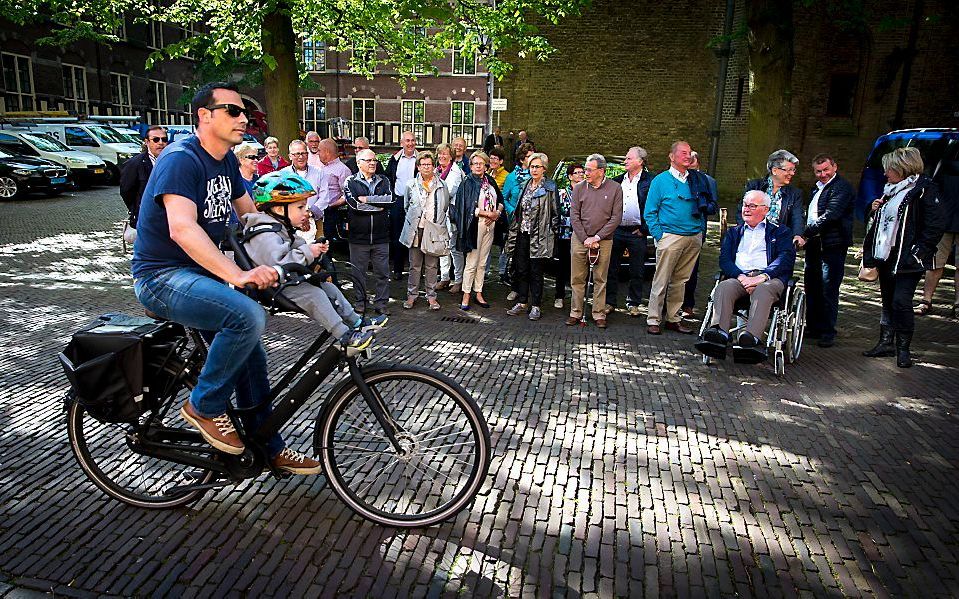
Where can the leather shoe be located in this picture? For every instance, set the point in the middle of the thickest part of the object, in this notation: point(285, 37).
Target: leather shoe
point(601, 323)
point(654, 329)
point(572, 320)
point(678, 327)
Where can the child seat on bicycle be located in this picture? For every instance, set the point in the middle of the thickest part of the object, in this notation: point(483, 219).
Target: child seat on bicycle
point(269, 237)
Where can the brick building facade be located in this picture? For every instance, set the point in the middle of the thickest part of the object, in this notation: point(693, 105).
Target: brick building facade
point(629, 73)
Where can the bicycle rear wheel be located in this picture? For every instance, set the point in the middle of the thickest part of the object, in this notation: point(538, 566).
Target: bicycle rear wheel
point(106, 453)
point(444, 454)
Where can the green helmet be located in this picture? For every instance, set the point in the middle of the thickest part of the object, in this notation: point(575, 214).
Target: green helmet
point(281, 187)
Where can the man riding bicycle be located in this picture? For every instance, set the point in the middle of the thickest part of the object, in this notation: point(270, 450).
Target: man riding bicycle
point(180, 273)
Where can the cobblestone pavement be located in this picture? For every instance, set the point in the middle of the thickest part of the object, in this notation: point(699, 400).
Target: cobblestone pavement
point(623, 466)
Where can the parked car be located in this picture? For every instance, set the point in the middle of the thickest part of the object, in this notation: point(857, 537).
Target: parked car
point(935, 145)
point(106, 142)
point(131, 134)
point(20, 175)
point(85, 169)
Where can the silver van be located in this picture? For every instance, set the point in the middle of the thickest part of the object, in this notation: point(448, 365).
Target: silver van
point(85, 168)
point(111, 146)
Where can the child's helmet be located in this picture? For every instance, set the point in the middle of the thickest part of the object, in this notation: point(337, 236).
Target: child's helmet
point(281, 187)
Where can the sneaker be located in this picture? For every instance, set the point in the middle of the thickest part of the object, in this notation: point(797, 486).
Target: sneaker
point(217, 431)
point(374, 323)
point(535, 314)
point(517, 310)
point(409, 302)
point(353, 341)
point(511, 296)
point(295, 462)
point(558, 304)
point(609, 309)
point(633, 311)
point(456, 288)
point(442, 285)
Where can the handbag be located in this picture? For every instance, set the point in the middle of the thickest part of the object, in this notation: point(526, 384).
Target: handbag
point(869, 274)
point(436, 237)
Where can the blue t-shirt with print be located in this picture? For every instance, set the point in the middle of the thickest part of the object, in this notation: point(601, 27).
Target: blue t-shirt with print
point(186, 169)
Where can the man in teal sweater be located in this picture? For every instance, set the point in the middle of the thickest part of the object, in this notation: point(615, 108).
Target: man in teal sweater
point(676, 222)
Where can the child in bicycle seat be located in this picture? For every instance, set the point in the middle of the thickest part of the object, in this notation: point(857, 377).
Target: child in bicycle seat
point(270, 239)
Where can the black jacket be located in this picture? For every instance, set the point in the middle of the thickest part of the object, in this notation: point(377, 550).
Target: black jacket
point(792, 213)
point(370, 221)
point(133, 180)
point(921, 224)
point(642, 190)
point(835, 208)
point(948, 182)
point(492, 140)
point(463, 211)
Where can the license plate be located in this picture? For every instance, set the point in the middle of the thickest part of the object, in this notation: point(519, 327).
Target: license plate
point(98, 171)
point(58, 180)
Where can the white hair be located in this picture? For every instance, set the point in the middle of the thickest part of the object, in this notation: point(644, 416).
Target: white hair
point(761, 197)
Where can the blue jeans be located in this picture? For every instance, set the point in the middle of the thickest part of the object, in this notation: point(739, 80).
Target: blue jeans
point(236, 359)
point(825, 268)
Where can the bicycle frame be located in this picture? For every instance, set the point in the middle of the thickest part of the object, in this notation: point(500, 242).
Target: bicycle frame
point(164, 443)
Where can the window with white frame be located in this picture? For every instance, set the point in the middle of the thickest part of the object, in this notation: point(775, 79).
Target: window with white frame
point(314, 55)
point(187, 31)
point(364, 117)
point(156, 35)
point(160, 111)
point(413, 118)
point(121, 29)
point(75, 88)
point(314, 114)
point(464, 63)
point(461, 121)
point(120, 93)
point(17, 82)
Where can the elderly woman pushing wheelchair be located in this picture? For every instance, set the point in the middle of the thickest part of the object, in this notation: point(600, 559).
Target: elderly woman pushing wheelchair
point(757, 257)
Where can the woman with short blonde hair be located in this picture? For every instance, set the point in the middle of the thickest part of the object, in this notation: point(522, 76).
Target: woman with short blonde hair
point(902, 235)
point(272, 161)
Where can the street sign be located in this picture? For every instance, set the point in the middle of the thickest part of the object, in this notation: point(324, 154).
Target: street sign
point(499, 104)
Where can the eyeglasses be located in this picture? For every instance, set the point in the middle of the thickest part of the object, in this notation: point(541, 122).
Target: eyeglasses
point(250, 156)
point(536, 166)
point(296, 153)
point(231, 109)
point(754, 206)
point(158, 140)
point(580, 173)
point(477, 163)
point(366, 159)
point(790, 171)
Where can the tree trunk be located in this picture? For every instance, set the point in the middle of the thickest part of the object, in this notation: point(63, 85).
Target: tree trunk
point(771, 64)
point(281, 83)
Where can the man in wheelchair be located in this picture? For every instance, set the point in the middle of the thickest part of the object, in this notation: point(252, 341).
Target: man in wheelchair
point(756, 261)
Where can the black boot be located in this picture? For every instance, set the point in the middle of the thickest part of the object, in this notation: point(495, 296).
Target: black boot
point(885, 347)
point(902, 350)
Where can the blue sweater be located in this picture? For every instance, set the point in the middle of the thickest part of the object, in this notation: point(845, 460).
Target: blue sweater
point(670, 208)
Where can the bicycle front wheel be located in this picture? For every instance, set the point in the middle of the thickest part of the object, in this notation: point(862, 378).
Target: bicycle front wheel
point(443, 451)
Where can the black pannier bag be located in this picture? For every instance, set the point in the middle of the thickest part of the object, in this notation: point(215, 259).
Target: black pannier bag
point(112, 362)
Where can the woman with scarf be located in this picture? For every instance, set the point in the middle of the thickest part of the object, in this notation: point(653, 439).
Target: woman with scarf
point(901, 236)
point(785, 201)
point(452, 175)
point(272, 161)
point(476, 209)
point(532, 234)
point(427, 202)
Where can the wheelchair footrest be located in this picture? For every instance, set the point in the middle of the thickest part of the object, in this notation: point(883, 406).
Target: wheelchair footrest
point(749, 355)
point(711, 349)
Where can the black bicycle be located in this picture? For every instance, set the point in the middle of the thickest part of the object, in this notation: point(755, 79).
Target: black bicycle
point(402, 445)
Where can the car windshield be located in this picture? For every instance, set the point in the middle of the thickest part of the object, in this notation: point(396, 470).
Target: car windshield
point(45, 143)
point(933, 150)
point(108, 134)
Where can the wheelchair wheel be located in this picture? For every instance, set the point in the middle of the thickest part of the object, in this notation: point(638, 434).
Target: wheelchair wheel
point(797, 310)
point(444, 447)
point(106, 453)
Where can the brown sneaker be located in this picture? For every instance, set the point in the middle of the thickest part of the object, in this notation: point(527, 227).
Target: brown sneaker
point(295, 462)
point(217, 431)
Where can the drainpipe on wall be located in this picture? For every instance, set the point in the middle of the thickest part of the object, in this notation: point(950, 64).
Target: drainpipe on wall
point(723, 52)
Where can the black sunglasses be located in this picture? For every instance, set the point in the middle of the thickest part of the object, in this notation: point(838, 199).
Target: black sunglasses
point(158, 140)
point(231, 109)
point(251, 156)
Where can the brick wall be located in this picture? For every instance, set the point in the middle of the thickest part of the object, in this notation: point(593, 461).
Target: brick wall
point(624, 75)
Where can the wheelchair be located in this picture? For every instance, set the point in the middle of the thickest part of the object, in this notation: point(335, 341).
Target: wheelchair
point(787, 324)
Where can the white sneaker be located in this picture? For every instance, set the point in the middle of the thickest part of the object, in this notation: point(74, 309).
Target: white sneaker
point(558, 304)
point(534, 313)
point(512, 296)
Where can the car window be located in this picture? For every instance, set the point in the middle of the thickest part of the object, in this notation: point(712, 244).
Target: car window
point(4, 154)
point(45, 142)
point(932, 149)
point(107, 134)
point(78, 137)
